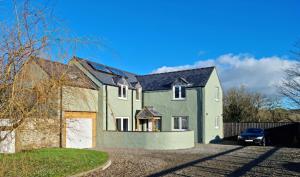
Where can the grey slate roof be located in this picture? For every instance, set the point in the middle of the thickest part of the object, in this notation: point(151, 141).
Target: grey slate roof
point(73, 76)
point(161, 81)
point(106, 78)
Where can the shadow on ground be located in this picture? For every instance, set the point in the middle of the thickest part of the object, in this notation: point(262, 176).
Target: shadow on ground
point(250, 160)
point(292, 166)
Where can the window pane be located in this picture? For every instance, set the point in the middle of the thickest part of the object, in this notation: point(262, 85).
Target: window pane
point(125, 124)
point(176, 92)
point(217, 93)
point(124, 92)
point(120, 91)
point(217, 121)
point(176, 122)
point(184, 123)
point(118, 124)
point(158, 124)
point(182, 92)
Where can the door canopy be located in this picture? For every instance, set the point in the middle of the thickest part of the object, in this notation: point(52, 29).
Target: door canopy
point(148, 112)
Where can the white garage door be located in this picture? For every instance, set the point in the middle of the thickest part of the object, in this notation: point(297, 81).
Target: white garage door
point(79, 133)
point(8, 144)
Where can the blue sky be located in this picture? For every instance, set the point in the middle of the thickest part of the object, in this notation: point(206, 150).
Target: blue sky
point(145, 35)
point(248, 40)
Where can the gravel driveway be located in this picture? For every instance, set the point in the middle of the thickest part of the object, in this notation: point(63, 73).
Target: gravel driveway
point(205, 160)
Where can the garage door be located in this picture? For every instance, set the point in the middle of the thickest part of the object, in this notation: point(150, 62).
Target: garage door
point(80, 130)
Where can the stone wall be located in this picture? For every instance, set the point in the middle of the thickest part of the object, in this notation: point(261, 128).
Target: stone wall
point(38, 133)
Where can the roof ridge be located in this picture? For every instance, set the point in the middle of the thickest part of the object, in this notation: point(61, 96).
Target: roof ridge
point(177, 71)
point(47, 60)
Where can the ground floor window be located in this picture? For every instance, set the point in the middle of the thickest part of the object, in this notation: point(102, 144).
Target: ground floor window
point(158, 125)
point(180, 123)
point(122, 123)
point(217, 121)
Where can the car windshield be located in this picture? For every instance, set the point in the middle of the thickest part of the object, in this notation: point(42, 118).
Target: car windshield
point(254, 130)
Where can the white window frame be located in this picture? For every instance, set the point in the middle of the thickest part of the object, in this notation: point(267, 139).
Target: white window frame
point(122, 118)
point(217, 122)
point(138, 91)
point(180, 123)
point(122, 93)
point(217, 93)
point(180, 94)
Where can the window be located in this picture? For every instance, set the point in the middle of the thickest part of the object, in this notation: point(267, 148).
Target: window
point(138, 93)
point(179, 92)
point(217, 94)
point(122, 123)
point(180, 123)
point(217, 122)
point(122, 91)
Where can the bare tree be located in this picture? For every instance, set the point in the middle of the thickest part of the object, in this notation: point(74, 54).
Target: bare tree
point(242, 106)
point(290, 87)
point(19, 41)
point(25, 100)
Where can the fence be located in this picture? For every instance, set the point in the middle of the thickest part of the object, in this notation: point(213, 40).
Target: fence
point(234, 128)
point(280, 133)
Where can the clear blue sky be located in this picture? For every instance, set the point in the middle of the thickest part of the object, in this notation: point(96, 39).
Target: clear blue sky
point(143, 35)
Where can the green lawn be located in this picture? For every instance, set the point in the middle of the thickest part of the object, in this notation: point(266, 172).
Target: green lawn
point(50, 162)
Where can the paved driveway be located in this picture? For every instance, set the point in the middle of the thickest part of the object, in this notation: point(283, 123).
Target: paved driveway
point(205, 160)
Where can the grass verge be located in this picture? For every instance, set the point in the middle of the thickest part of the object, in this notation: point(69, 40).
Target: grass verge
point(54, 162)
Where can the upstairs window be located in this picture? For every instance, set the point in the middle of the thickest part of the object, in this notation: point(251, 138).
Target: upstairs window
point(217, 122)
point(179, 92)
point(138, 93)
point(122, 91)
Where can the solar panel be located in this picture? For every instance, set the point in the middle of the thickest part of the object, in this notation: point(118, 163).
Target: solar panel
point(100, 67)
point(117, 72)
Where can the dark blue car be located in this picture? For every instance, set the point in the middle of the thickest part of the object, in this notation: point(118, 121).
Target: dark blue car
point(253, 135)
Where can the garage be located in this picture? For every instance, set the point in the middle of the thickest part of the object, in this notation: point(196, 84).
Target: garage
point(80, 129)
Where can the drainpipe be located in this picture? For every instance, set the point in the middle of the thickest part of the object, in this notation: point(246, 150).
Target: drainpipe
point(203, 116)
point(106, 115)
point(61, 119)
point(132, 110)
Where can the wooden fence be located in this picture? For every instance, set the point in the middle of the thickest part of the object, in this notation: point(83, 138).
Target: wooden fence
point(233, 129)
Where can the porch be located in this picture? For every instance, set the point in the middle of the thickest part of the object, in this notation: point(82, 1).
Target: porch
point(148, 119)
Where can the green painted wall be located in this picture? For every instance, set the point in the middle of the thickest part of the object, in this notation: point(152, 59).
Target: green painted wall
point(117, 107)
point(212, 109)
point(164, 103)
point(148, 140)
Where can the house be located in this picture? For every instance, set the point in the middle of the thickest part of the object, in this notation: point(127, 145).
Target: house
point(165, 102)
point(104, 106)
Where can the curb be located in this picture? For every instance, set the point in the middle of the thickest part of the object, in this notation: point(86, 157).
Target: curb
point(100, 168)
